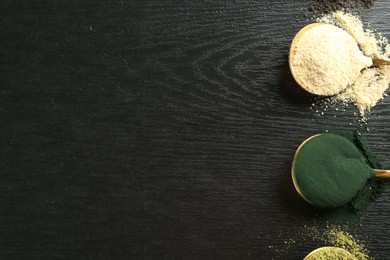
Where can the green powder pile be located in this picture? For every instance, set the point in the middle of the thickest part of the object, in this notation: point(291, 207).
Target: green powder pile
point(337, 170)
point(330, 170)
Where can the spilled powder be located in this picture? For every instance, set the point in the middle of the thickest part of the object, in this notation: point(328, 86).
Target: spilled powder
point(334, 235)
point(327, 6)
point(372, 83)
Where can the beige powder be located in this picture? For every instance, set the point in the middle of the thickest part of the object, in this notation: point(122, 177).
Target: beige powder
point(366, 39)
point(371, 85)
point(327, 60)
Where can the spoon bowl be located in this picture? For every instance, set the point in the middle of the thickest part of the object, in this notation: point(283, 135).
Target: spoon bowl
point(293, 175)
point(336, 88)
point(327, 252)
point(293, 51)
point(329, 170)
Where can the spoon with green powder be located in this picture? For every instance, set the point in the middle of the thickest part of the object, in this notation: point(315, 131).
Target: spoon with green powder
point(329, 252)
point(325, 59)
point(328, 170)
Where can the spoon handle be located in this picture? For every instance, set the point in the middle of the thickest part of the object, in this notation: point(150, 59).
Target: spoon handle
point(380, 62)
point(382, 173)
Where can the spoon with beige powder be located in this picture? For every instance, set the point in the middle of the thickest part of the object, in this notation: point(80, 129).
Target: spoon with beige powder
point(325, 59)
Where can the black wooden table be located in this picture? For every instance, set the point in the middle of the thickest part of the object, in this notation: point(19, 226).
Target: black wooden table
point(163, 130)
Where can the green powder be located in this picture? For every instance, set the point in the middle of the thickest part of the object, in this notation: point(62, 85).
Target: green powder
point(330, 170)
point(374, 186)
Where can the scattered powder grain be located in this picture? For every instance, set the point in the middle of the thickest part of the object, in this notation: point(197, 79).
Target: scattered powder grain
point(343, 239)
point(328, 6)
point(333, 235)
point(369, 88)
point(331, 63)
point(371, 85)
point(370, 43)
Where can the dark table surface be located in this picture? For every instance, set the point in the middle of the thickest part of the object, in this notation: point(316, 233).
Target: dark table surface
point(163, 130)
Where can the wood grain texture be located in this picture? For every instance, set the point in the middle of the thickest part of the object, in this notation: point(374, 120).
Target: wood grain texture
point(162, 130)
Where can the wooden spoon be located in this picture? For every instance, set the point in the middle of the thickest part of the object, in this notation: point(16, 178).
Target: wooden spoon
point(329, 251)
point(322, 192)
point(293, 51)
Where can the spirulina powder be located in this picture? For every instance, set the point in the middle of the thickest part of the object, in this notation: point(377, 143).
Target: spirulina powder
point(350, 163)
point(329, 170)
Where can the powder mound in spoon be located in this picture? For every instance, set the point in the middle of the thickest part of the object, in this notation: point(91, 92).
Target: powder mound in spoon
point(329, 170)
point(327, 60)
